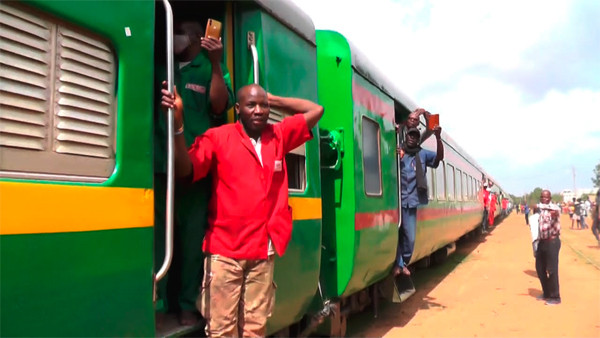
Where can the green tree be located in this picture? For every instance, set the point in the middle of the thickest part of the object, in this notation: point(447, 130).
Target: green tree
point(596, 177)
point(557, 198)
point(534, 196)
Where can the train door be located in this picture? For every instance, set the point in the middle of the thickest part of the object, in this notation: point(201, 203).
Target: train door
point(180, 227)
point(274, 46)
point(400, 114)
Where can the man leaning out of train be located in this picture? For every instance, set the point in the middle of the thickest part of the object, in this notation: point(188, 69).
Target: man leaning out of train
point(413, 178)
point(249, 217)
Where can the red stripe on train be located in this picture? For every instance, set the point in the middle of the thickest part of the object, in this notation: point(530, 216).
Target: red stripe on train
point(428, 214)
point(372, 102)
point(366, 220)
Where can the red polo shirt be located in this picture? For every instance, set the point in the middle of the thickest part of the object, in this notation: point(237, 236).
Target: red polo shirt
point(249, 202)
point(486, 197)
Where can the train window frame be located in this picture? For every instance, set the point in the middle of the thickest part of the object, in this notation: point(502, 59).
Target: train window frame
point(471, 186)
point(65, 129)
point(295, 160)
point(466, 194)
point(451, 181)
point(364, 118)
point(430, 184)
point(441, 183)
point(458, 184)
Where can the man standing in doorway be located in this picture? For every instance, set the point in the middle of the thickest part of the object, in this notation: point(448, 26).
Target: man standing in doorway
point(205, 87)
point(249, 216)
point(413, 170)
point(486, 205)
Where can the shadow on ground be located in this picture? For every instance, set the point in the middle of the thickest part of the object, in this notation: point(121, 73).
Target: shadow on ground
point(425, 281)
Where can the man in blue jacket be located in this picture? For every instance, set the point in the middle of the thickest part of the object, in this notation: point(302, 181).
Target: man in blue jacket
point(413, 178)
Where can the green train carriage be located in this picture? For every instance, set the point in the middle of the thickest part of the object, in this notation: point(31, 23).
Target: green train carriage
point(361, 186)
point(76, 158)
point(76, 162)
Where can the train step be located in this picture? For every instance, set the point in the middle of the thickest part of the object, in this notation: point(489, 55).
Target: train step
point(172, 328)
point(403, 288)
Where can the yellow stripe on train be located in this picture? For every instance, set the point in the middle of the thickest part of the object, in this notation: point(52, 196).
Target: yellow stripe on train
point(304, 208)
point(29, 208)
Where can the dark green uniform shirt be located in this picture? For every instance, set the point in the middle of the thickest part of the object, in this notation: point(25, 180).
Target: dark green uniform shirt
point(193, 85)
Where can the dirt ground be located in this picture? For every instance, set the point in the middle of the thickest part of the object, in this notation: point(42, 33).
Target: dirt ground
point(488, 288)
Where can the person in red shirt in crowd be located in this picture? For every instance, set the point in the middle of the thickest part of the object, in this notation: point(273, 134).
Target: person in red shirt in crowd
point(504, 206)
point(492, 208)
point(485, 198)
point(249, 216)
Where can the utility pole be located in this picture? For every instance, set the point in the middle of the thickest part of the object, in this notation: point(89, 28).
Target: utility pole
point(574, 185)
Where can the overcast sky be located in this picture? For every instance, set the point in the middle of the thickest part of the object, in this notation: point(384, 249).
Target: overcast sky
point(516, 83)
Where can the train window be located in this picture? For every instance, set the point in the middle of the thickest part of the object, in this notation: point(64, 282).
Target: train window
point(295, 160)
point(371, 156)
point(466, 185)
point(440, 181)
point(57, 89)
point(450, 182)
point(471, 188)
point(459, 187)
point(430, 175)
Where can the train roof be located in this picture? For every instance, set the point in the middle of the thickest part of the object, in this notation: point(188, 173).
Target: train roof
point(292, 16)
point(366, 68)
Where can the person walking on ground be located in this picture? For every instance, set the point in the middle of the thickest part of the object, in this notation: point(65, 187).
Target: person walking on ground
point(413, 175)
point(504, 207)
point(577, 215)
point(249, 216)
point(526, 211)
point(572, 212)
point(206, 92)
point(583, 214)
point(546, 258)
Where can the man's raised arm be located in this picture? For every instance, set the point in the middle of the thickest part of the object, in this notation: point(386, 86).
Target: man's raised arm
point(312, 111)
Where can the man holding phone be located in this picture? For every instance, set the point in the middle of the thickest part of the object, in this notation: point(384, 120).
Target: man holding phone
point(205, 87)
point(413, 177)
point(546, 256)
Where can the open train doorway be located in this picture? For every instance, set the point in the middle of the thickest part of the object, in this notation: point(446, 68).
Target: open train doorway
point(177, 290)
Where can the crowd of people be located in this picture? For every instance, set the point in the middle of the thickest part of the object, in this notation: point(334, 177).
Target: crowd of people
point(581, 212)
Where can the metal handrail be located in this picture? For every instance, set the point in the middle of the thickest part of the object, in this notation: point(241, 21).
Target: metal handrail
point(254, 51)
point(170, 152)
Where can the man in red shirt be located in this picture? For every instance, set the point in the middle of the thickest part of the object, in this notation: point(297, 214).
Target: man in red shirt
point(492, 208)
point(485, 195)
point(249, 216)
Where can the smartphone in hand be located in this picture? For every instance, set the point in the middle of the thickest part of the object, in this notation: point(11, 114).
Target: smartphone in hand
point(213, 29)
